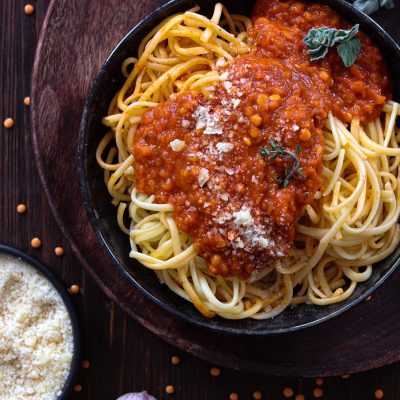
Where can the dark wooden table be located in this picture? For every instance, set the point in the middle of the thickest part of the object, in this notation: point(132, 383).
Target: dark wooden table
point(123, 356)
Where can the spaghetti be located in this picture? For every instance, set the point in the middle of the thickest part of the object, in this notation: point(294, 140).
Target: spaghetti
point(350, 225)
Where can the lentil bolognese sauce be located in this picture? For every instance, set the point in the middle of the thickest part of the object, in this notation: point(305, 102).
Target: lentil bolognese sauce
point(255, 176)
point(222, 192)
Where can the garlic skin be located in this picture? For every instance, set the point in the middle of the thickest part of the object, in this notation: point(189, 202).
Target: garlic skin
point(137, 396)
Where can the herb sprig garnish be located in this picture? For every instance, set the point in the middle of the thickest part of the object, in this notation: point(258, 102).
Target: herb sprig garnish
point(318, 41)
point(370, 6)
point(282, 152)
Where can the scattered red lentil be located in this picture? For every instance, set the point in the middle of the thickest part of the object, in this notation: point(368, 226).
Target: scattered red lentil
point(233, 396)
point(288, 392)
point(74, 289)
point(59, 251)
point(319, 381)
point(85, 364)
point(345, 376)
point(254, 132)
point(368, 298)
point(379, 394)
point(29, 9)
point(175, 360)
point(169, 389)
point(318, 392)
point(275, 97)
point(299, 397)
point(21, 208)
point(214, 371)
point(27, 101)
point(324, 75)
point(78, 387)
point(305, 135)
point(8, 123)
point(247, 141)
point(257, 395)
point(36, 243)
point(256, 120)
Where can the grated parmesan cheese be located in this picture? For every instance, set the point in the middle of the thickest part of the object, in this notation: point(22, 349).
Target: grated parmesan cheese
point(224, 196)
point(224, 76)
point(203, 177)
point(243, 217)
point(224, 147)
point(206, 120)
point(249, 233)
point(177, 145)
point(228, 86)
point(238, 244)
point(220, 62)
point(261, 241)
point(235, 103)
point(36, 341)
point(185, 123)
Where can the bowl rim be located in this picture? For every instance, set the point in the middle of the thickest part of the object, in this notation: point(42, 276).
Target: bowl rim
point(354, 14)
point(66, 298)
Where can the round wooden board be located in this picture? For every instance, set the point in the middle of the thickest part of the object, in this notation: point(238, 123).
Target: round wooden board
point(76, 38)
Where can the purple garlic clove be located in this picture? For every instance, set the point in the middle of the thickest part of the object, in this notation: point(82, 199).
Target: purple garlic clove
point(137, 396)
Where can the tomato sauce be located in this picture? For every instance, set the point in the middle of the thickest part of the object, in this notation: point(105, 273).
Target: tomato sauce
point(203, 155)
point(357, 91)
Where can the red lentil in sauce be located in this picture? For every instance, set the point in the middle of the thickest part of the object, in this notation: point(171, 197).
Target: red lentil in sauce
point(202, 155)
point(360, 90)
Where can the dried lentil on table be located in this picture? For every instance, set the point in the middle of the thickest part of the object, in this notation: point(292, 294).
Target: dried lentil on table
point(74, 289)
point(29, 9)
point(169, 389)
point(288, 392)
point(257, 395)
point(78, 387)
point(59, 251)
point(36, 243)
point(318, 392)
point(8, 123)
point(21, 208)
point(175, 360)
point(214, 371)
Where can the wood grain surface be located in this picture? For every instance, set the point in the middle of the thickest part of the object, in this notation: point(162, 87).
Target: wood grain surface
point(123, 355)
point(58, 94)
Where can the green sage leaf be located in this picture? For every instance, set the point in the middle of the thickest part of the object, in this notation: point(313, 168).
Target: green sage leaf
point(319, 40)
point(348, 51)
point(370, 6)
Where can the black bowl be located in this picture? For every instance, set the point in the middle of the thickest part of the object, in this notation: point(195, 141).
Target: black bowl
point(103, 215)
point(66, 298)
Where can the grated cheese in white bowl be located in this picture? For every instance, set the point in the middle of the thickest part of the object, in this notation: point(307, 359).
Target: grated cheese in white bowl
point(36, 339)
